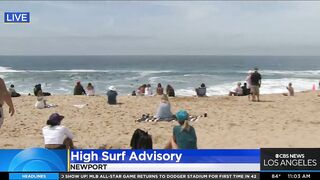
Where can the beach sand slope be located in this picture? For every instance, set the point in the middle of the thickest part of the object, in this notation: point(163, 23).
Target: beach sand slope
point(232, 122)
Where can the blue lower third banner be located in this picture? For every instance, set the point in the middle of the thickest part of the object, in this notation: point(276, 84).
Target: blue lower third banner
point(164, 160)
point(33, 160)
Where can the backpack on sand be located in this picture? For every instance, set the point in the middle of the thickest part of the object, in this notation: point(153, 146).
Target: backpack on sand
point(141, 140)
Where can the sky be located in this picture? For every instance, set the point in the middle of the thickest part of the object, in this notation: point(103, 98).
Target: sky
point(163, 28)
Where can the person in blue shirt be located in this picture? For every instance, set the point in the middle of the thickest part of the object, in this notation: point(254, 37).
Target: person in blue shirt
point(184, 135)
point(112, 95)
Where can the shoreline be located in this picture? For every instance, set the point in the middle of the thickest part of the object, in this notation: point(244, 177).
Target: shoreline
point(232, 122)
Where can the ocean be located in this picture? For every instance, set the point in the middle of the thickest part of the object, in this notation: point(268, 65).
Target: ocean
point(58, 74)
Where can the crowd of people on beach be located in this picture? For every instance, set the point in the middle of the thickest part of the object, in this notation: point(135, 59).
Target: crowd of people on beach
point(57, 136)
point(146, 90)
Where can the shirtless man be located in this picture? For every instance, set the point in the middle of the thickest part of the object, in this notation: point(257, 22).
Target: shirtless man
point(5, 98)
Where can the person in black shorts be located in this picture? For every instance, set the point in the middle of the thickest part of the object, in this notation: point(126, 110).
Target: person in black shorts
point(255, 85)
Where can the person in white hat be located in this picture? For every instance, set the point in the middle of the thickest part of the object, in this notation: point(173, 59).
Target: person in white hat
point(112, 95)
point(237, 91)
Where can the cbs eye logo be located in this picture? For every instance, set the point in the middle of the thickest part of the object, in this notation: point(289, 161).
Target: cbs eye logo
point(37, 159)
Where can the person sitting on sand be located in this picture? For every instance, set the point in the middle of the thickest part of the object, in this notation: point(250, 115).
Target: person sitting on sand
point(245, 89)
point(112, 95)
point(148, 90)
point(202, 90)
point(41, 101)
point(141, 90)
point(184, 135)
point(13, 92)
point(159, 89)
point(170, 91)
point(90, 90)
point(133, 93)
point(38, 88)
point(78, 89)
point(55, 135)
point(290, 90)
point(164, 109)
point(237, 91)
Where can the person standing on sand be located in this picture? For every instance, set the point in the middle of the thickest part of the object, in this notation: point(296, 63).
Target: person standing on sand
point(5, 97)
point(255, 85)
point(248, 80)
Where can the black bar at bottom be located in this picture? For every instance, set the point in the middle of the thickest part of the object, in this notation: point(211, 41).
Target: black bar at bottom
point(289, 175)
point(160, 175)
point(4, 175)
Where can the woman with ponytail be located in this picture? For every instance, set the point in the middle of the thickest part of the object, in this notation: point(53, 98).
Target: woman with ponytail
point(184, 135)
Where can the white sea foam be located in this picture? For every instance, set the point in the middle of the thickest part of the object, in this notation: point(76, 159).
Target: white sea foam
point(305, 73)
point(269, 86)
point(8, 70)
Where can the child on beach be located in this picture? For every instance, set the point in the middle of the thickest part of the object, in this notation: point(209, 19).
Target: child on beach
point(41, 101)
point(245, 89)
point(90, 90)
point(184, 135)
point(290, 90)
point(55, 135)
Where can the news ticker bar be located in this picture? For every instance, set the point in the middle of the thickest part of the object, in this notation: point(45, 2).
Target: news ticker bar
point(226, 160)
point(163, 175)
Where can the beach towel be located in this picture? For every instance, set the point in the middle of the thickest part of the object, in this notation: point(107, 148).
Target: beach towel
point(80, 106)
point(150, 118)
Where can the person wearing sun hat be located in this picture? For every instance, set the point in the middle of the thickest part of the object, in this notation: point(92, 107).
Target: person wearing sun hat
point(112, 95)
point(184, 135)
point(55, 135)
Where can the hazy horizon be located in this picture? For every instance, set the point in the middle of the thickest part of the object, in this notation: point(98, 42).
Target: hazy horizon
point(216, 28)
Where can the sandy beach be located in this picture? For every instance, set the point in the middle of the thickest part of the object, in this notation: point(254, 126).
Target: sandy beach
point(232, 122)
